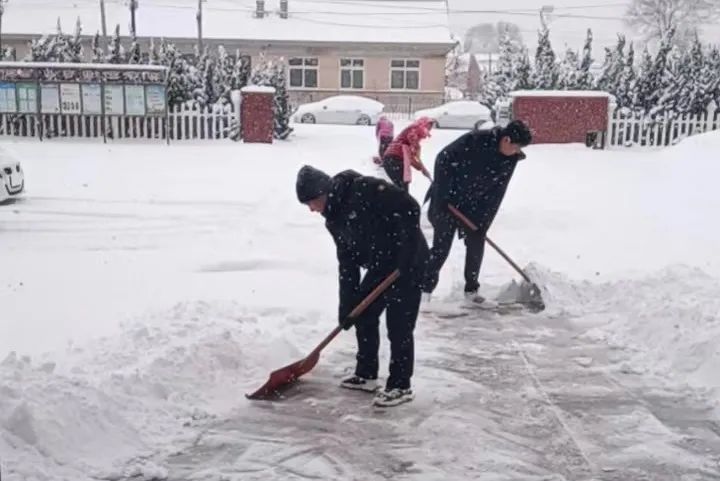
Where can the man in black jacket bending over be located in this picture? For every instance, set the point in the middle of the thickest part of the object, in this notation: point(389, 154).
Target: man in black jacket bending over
point(375, 226)
point(472, 174)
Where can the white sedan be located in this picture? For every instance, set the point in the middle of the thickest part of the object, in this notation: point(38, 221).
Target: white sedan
point(12, 178)
point(460, 114)
point(341, 109)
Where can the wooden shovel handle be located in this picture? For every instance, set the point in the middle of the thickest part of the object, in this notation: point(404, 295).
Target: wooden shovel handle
point(360, 308)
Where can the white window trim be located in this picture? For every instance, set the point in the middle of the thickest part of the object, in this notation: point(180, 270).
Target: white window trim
point(351, 68)
point(406, 60)
point(304, 67)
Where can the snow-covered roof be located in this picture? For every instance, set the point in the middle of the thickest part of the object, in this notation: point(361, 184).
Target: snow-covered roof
point(559, 93)
point(93, 66)
point(372, 21)
point(258, 89)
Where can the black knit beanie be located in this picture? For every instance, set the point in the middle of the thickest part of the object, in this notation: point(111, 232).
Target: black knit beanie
point(312, 183)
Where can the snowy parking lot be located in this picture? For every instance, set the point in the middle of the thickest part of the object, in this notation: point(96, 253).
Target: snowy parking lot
point(144, 288)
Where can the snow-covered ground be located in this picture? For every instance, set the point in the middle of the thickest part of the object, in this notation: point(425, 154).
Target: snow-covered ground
point(145, 288)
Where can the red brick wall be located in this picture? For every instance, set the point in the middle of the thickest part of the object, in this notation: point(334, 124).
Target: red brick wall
point(256, 112)
point(559, 120)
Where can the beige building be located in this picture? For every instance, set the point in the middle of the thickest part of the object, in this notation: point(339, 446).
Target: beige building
point(390, 50)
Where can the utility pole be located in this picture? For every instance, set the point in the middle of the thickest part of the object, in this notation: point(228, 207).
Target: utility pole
point(103, 23)
point(199, 26)
point(133, 7)
point(2, 11)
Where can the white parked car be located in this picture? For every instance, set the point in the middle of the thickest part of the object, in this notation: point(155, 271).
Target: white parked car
point(341, 109)
point(12, 178)
point(459, 114)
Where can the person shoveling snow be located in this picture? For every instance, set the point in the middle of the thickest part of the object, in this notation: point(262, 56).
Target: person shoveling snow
point(375, 226)
point(471, 177)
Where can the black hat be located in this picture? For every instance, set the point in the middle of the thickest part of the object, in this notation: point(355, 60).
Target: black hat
point(312, 183)
point(518, 132)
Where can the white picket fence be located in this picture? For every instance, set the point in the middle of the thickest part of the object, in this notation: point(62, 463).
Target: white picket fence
point(634, 129)
point(183, 122)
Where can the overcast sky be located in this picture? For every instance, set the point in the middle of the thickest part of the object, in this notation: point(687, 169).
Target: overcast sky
point(564, 31)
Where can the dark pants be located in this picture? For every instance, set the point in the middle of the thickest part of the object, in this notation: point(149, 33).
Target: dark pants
point(394, 169)
point(444, 233)
point(385, 141)
point(401, 304)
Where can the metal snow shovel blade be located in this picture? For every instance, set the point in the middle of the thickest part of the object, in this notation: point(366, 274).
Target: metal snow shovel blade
point(530, 296)
point(285, 376)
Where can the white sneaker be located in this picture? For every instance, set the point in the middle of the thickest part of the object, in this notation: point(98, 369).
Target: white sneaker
point(358, 383)
point(393, 397)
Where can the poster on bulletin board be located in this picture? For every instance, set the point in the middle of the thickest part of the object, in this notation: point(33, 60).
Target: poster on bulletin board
point(91, 99)
point(50, 99)
point(155, 99)
point(114, 101)
point(8, 101)
point(70, 99)
point(135, 99)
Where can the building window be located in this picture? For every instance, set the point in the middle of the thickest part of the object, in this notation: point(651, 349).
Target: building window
point(352, 73)
point(405, 74)
point(303, 72)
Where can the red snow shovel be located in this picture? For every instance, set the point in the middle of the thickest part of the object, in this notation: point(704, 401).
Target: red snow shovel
point(285, 376)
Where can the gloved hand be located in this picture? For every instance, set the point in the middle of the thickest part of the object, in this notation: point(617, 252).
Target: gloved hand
point(347, 322)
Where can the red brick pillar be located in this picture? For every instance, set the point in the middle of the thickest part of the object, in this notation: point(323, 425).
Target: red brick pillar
point(256, 114)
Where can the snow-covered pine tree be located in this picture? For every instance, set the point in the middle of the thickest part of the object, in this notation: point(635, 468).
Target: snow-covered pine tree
point(523, 73)
point(224, 73)
point(692, 96)
point(74, 44)
point(116, 52)
point(58, 46)
point(179, 85)
point(282, 102)
point(38, 50)
point(241, 71)
point(545, 75)
point(626, 80)
point(642, 89)
point(585, 77)
point(134, 55)
point(711, 75)
point(504, 78)
point(568, 71)
point(98, 56)
point(660, 78)
point(8, 54)
point(610, 76)
point(153, 55)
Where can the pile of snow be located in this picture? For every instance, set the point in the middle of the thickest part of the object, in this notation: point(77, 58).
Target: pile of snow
point(113, 406)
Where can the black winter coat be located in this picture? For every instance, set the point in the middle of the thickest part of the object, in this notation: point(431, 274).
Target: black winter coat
point(375, 226)
point(472, 175)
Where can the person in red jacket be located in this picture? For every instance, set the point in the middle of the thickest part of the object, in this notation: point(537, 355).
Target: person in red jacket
point(384, 132)
point(403, 153)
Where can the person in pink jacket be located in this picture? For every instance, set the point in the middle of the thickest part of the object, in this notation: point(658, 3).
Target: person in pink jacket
point(403, 153)
point(384, 133)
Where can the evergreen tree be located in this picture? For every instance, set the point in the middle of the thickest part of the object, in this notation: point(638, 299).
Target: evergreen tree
point(8, 54)
point(154, 57)
point(504, 78)
point(116, 52)
point(282, 103)
point(98, 56)
point(134, 56)
point(524, 75)
point(546, 75)
point(711, 76)
point(183, 80)
point(643, 86)
point(39, 49)
point(569, 72)
point(585, 77)
point(225, 69)
point(660, 81)
point(241, 71)
point(74, 44)
point(612, 70)
point(624, 92)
